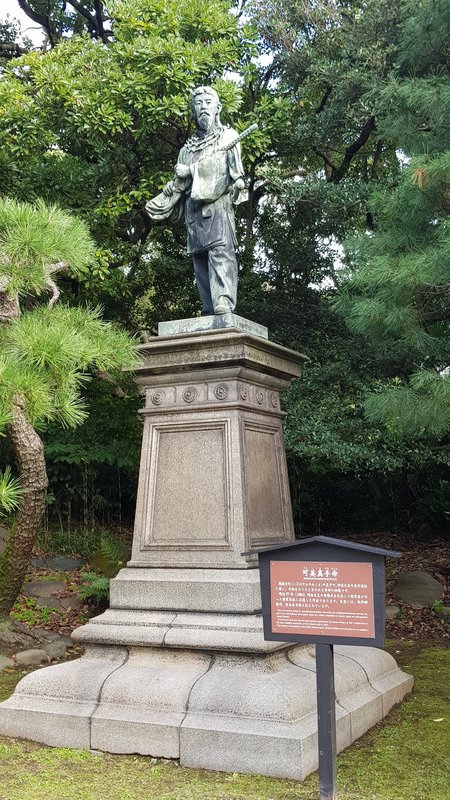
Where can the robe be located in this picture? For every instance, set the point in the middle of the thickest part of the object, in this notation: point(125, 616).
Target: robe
point(209, 211)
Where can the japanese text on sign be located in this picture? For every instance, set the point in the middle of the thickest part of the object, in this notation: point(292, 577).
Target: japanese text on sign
point(322, 598)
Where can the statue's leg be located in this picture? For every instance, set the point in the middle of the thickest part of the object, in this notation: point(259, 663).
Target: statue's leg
point(223, 278)
point(202, 280)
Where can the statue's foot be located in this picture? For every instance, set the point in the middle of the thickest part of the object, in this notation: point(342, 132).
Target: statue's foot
point(222, 310)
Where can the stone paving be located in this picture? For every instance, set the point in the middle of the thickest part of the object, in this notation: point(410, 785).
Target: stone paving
point(34, 646)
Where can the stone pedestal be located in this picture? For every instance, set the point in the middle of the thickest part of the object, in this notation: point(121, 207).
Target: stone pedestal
point(177, 666)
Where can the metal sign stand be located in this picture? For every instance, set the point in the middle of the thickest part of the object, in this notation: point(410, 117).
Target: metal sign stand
point(326, 718)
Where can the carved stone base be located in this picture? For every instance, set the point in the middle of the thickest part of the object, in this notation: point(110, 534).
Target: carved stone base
point(222, 711)
point(178, 666)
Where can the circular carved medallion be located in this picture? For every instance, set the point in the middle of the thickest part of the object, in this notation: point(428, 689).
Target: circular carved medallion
point(244, 392)
point(158, 397)
point(259, 396)
point(274, 399)
point(221, 391)
point(190, 394)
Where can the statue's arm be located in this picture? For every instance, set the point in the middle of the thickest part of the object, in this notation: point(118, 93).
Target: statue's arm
point(236, 172)
point(235, 166)
point(169, 203)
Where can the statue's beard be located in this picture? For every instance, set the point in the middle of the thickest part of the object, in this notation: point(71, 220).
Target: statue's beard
point(206, 122)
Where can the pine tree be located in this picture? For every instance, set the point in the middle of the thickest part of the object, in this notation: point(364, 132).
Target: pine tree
point(46, 354)
point(398, 293)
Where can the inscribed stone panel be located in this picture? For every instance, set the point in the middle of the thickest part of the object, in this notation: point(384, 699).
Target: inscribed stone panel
point(265, 516)
point(190, 500)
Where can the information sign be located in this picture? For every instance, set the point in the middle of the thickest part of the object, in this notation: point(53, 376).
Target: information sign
point(322, 598)
point(325, 591)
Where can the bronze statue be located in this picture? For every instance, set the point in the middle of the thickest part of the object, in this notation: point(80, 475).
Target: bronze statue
point(207, 183)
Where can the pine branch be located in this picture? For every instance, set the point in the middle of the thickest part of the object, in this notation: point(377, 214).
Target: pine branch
point(116, 390)
point(55, 292)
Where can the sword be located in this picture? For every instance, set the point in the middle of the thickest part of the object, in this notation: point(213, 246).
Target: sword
point(239, 138)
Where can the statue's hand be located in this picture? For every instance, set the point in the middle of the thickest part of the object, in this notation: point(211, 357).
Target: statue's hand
point(168, 189)
point(237, 187)
point(182, 171)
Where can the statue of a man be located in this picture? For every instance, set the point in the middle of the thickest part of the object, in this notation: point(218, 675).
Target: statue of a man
point(209, 177)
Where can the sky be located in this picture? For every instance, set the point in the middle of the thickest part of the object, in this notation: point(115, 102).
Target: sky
point(29, 28)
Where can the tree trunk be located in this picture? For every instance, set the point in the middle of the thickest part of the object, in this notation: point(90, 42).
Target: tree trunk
point(9, 306)
point(29, 452)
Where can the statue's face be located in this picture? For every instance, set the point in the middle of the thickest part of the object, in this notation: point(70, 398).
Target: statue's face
point(205, 107)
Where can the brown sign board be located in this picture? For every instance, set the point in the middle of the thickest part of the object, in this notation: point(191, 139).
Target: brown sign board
point(323, 590)
point(322, 598)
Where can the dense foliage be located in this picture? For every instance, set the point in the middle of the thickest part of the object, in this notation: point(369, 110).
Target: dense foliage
point(351, 148)
point(96, 128)
point(399, 287)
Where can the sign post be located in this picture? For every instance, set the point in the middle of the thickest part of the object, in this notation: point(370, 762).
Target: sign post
point(326, 719)
point(324, 591)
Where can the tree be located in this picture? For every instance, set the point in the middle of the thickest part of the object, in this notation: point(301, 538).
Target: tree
point(45, 355)
point(398, 292)
point(333, 71)
point(10, 44)
point(97, 127)
point(328, 61)
point(59, 18)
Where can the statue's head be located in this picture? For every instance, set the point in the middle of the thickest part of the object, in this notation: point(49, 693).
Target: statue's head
point(205, 108)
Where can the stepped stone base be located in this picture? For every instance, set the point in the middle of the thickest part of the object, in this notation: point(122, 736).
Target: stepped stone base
point(226, 711)
point(225, 591)
point(178, 666)
point(178, 629)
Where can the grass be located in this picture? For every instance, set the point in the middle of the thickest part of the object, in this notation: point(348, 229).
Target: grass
point(403, 758)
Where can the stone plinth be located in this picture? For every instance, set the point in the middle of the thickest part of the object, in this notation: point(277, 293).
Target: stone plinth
point(234, 712)
point(212, 484)
point(212, 323)
point(178, 667)
point(213, 480)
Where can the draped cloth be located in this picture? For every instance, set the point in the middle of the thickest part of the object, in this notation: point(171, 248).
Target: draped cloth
point(206, 196)
point(162, 207)
point(209, 203)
